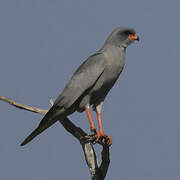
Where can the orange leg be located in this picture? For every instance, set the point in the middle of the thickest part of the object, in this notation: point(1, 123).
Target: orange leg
point(101, 132)
point(99, 122)
point(88, 113)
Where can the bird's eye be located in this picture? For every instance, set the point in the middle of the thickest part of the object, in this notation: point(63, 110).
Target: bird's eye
point(127, 32)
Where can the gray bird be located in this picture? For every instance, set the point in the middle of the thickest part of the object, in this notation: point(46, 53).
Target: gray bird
point(90, 83)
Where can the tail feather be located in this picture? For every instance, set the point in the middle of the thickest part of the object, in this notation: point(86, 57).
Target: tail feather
point(49, 119)
point(31, 137)
point(37, 131)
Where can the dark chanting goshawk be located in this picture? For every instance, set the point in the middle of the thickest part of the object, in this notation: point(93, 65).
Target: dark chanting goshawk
point(90, 83)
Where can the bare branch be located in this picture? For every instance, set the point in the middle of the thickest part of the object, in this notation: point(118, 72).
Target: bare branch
point(51, 102)
point(105, 161)
point(22, 106)
point(97, 173)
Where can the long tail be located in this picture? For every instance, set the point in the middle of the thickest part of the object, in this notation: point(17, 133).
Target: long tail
point(49, 119)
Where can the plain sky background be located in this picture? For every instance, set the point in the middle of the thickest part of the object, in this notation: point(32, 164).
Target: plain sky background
point(42, 42)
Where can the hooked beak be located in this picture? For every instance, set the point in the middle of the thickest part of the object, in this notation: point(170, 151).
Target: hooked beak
point(133, 37)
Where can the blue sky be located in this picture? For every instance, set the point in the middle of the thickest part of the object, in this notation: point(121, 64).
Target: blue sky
point(41, 45)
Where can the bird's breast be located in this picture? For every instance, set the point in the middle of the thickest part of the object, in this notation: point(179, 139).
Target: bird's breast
point(115, 60)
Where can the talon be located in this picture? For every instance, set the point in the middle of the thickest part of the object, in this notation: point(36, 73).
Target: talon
point(85, 138)
point(91, 137)
point(104, 139)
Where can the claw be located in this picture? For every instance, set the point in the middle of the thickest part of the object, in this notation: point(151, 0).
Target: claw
point(104, 139)
point(88, 138)
point(97, 137)
point(91, 137)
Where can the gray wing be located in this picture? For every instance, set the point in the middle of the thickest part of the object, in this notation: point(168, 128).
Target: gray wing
point(83, 79)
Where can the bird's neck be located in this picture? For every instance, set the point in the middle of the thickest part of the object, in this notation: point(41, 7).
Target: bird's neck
point(109, 47)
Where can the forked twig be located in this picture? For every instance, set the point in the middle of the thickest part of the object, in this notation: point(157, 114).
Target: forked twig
point(97, 172)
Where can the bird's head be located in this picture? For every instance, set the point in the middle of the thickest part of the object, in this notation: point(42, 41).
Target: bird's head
point(122, 37)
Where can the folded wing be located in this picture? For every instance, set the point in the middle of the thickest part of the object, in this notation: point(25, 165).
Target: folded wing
point(83, 79)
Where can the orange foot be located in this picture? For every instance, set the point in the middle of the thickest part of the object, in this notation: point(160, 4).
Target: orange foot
point(104, 139)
